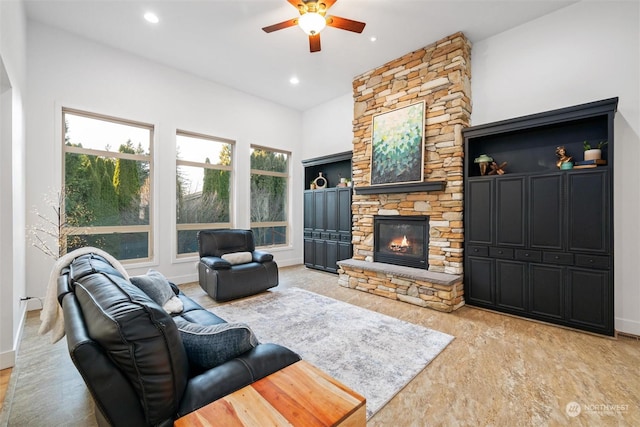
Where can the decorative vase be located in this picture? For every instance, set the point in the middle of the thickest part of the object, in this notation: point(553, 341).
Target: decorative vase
point(593, 154)
point(320, 181)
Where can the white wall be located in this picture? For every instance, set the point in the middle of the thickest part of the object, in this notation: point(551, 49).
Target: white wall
point(328, 128)
point(585, 52)
point(12, 171)
point(65, 70)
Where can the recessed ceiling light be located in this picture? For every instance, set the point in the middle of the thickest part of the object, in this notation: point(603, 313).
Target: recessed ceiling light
point(294, 80)
point(373, 38)
point(151, 17)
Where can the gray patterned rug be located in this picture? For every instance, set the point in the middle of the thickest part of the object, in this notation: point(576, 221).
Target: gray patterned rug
point(374, 354)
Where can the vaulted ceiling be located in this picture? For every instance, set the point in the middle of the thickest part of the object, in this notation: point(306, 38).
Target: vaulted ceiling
point(222, 40)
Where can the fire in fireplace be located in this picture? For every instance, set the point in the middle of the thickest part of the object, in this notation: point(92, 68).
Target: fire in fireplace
point(401, 240)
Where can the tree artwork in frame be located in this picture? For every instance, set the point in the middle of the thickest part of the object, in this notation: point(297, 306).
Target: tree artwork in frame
point(398, 146)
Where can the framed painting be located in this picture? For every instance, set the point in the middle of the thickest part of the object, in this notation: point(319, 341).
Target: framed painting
point(397, 139)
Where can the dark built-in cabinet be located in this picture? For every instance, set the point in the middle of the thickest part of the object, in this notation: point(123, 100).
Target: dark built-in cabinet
point(539, 240)
point(327, 213)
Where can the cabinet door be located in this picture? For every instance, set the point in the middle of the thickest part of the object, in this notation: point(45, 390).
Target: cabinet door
point(331, 256)
point(589, 299)
point(331, 211)
point(344, 210)
point(308, 209)
point(510, 211)
point(479, 280)
point(511, 284)
point(588, 203)
point(319, 210)
point(309, 253)
point(320, 254)
point(546, 212)
point(480, 211)
point(546, 284)
point(344, 250)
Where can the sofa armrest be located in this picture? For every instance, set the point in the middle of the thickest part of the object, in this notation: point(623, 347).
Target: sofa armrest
point(215, 263)
point(262, 256)
point(224, 379)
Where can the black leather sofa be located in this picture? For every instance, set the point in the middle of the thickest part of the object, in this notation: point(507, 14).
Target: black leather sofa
point(130, 353)
point(224, 278)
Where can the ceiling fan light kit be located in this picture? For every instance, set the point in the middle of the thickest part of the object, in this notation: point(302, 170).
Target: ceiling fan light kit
point(312, 23)
point(312, 20)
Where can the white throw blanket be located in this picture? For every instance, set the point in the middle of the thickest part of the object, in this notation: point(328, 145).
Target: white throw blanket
point(51, 316)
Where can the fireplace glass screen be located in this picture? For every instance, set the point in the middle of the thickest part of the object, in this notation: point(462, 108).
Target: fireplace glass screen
point(401, 240)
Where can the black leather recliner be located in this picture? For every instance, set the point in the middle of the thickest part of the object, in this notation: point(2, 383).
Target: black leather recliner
point(130, 353)
point(226, 279)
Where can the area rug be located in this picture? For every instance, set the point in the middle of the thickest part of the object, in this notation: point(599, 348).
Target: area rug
point(373, 354)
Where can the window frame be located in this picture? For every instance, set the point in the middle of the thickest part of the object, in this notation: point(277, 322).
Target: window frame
point(111, 229)
point(204, 225)
point(287, 176)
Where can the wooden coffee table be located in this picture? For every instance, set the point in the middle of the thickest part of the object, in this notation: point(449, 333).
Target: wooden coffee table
point(298, 395)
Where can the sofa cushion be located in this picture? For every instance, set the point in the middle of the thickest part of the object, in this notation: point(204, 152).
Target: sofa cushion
point(238, 257)
point(208, 346)
point(140, 338)
point(158, 288)
point(89, 264)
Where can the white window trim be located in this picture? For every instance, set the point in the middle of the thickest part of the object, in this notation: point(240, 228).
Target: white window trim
point(202, 225)
point(92, 230)
point(287, 175)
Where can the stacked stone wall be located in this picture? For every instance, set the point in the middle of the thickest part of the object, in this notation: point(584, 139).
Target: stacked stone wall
point(440, 75)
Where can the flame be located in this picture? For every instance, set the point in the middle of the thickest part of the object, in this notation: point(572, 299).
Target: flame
point(404, 241)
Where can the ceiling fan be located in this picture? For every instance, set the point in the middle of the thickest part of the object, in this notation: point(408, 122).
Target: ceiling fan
point(312, 20)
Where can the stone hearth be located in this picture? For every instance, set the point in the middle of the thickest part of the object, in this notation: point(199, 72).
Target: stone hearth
point(440, 75)
point(440, 291)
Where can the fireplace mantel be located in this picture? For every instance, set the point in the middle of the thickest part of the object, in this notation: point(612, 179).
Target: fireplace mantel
point(401, 188)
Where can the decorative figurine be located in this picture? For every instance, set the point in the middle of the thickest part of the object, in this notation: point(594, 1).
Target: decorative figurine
point(564, 161)
point(483, 161)
point(497, 169)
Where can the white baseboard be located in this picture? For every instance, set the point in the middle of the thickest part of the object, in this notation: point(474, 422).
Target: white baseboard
point(187, 278)
point(628, 326)
point(289, 262)
point(8, 358)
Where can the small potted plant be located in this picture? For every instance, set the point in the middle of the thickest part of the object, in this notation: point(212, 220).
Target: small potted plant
point(593, 153)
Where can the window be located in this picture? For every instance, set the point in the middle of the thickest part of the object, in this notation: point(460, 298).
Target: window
point(269, 189)
point(203, 187)
point(107, 184)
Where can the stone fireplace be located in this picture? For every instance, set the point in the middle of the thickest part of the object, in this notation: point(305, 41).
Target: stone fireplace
point(401, 240)
point(440, 75)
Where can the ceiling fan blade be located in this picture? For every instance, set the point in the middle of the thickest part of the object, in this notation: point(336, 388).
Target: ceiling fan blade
point(314, 43)
point(281, 25)
point(345, 24)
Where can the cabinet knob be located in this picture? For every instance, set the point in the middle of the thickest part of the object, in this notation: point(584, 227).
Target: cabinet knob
point(591, 261)
point(557, 257)
point(526, 255)
point(500, 252)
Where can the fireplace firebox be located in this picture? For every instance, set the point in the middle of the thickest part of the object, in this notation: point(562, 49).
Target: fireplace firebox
point(401, 240)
